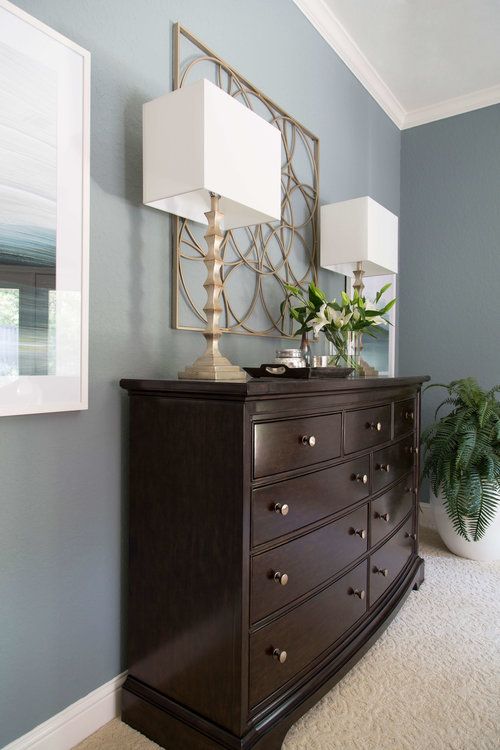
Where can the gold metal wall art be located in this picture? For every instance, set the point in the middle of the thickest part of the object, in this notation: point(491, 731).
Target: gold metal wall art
point(257, 261)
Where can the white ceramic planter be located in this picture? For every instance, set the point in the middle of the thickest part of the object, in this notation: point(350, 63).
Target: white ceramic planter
point(486, 549)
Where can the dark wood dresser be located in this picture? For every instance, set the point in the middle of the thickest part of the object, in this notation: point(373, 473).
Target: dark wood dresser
point(273, 536)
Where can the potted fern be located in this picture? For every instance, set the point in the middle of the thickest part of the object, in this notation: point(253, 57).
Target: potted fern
point(462, 461)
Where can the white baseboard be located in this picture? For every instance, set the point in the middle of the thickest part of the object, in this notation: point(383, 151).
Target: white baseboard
point(426, 515)
point(77, 722)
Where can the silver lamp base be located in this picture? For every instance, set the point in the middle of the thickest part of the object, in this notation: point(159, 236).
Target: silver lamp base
point(212, 365)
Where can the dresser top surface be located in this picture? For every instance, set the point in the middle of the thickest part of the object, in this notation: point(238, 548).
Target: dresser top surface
point(267, 386)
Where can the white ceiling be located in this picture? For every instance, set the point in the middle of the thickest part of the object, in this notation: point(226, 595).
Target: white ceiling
point(421, 59)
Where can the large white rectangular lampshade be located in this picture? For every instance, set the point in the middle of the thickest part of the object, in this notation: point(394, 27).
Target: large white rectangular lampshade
point(199, 139)
point(359, 230)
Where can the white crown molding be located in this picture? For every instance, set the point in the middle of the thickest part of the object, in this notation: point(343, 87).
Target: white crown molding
point(330, 28)
point(327, 24)
point(451, 107)
point(77, 722)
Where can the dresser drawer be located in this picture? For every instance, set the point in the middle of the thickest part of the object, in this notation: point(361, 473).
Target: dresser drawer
point(404, 416)
point(287, 506)
point(389, 510)
point(294, 443)
point(291, 570)
point(365, 428)
point(304, 633)
point(393, 462)
point(390, 559)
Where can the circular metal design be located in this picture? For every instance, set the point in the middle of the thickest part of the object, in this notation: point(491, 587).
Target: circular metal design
point(259, 260)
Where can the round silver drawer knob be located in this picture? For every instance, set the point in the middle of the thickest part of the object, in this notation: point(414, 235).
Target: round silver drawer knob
point(360, 593)
point(409, 416)
point(410, 536)
point(279, 655)
point(383, 516)
point(282, 509)
point(281, 578)
point(359, 532)
point(384, 467)
point(309, 440)
point(383, 571)
point(363, 478)
point(374, 426)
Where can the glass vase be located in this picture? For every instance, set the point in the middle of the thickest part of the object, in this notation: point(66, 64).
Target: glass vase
point(345, 349)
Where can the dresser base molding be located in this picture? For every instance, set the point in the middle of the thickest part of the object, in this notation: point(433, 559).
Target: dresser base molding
point(175, 727)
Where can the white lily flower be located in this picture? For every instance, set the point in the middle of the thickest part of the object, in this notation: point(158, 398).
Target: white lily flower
point(322, 319)
point(339, 319)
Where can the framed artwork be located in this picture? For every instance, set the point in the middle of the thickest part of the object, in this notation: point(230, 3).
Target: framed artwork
point(380, 352)
point(44, 217)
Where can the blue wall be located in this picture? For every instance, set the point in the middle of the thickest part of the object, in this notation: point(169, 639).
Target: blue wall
point(449, 311)
point(62, 475)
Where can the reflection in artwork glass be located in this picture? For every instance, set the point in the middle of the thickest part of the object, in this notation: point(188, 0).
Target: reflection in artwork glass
point(9, 332)
point(28, 193)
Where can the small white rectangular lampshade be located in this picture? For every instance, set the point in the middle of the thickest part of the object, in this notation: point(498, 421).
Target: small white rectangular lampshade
point(198, 139)
point(359, 230)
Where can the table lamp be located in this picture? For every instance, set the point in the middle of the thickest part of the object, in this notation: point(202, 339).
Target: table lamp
point(208, 158)
point(359, 236)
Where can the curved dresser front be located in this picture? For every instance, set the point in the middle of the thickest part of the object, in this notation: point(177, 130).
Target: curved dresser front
point(273, 536)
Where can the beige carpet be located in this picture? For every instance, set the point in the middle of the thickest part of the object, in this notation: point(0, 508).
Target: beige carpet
point(431, 682)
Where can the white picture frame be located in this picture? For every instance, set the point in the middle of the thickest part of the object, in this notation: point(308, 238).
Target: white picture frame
point(372, 285)
point(44, 217)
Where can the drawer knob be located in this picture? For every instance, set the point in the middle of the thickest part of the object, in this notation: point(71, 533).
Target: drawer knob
point(279, 655)
point(383, 571)
point(412, 449)
point(384, 467)
point(359, 532)
point(409, 416)
point(409, 489)
point(308, 440)
point(383, 516)
point(360, 478)
point(281, 578)
point(410, 536)
point(360, 593)
point(374, 426)
point(281, 509)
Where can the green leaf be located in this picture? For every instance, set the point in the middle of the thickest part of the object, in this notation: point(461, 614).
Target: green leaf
point(381, 291)
point(388, 307)
point(316, 295)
